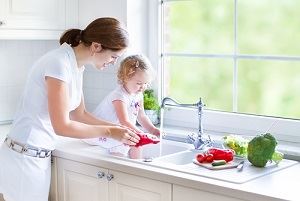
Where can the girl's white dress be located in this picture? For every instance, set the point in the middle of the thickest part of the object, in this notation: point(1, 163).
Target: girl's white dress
point(105, 110)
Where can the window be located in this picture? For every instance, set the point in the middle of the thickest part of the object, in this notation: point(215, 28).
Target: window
point(239, 56)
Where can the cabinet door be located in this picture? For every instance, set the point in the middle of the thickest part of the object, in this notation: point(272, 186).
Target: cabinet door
point(53, 187)
point(36, 19)
point(33, 14)
point(127, 187)
point(183, 193)
point(78, 182)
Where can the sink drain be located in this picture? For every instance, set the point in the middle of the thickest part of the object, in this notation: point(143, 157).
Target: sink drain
point(148, 159)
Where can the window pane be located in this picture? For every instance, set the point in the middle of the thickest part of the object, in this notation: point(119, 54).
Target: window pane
point(188, 79)
point(199, 26)
point(269, 88)
point(269, 27)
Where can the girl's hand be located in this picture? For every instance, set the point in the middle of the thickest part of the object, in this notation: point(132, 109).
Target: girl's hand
point(124, 135)
point(156, 132)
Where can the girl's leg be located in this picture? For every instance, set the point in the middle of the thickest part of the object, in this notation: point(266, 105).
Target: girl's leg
point(135, 152)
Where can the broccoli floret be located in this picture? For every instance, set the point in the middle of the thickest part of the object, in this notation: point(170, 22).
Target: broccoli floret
point(261, 149)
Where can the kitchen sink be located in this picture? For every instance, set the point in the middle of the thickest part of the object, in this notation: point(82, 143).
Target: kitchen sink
point(179, 158)
point(165, 147)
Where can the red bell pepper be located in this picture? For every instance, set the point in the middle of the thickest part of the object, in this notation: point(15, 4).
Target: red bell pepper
point(147, 139)
point(221, 154)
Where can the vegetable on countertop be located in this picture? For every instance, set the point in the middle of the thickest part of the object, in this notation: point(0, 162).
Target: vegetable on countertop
point(221, 154)
point(201, 158)
point(261, 149)
point(218, 162)
point(213, 154)
point(204, 158)
point(237, 143)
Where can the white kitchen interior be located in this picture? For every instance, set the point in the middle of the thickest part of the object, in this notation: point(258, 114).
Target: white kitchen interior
point(83, 172)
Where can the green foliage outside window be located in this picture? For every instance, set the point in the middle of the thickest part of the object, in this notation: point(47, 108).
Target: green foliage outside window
point(263, 28)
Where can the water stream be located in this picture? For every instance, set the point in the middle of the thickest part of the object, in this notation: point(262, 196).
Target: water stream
point(161, 130)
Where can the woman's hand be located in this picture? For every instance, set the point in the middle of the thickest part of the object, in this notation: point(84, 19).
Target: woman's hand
point(125, 135)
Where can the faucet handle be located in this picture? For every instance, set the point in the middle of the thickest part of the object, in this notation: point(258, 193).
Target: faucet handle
point(196, 140)
point(191, 138)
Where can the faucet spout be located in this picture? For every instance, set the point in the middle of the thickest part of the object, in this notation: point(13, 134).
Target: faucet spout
point(167, 101)
point(200, 106)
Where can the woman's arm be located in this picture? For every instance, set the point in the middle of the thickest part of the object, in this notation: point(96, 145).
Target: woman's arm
point(122, 115)
point(145, 122)
point(58, 104)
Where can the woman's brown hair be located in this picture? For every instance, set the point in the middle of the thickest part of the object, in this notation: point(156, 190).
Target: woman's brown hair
point(106, 31)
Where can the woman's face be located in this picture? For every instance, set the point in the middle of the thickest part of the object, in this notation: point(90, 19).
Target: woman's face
point(102, 58)
point(138, 83)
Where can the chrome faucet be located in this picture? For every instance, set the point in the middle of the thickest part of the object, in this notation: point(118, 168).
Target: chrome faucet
point(196, 139)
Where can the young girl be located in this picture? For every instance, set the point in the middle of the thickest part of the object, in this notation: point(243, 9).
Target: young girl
point(124, 105)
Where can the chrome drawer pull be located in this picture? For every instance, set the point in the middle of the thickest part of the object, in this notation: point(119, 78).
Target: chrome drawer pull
point(109, 177)
point(100, 174)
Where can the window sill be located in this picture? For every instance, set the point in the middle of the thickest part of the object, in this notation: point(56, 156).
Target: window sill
point(291, 150)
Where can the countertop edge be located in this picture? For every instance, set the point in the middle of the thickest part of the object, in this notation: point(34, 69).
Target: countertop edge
point(240, 191)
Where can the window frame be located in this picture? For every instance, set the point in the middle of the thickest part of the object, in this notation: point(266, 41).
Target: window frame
point(285, 129)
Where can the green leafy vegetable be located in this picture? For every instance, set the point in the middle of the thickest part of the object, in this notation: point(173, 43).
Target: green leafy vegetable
point(237, 143)
point(277, 157)
point(150, 100)
point(261, 149)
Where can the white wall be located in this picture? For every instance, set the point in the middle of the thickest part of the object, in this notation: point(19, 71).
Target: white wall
point(97, 84)
point(16, 58)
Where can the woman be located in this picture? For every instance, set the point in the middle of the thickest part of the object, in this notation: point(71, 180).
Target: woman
point(53, 104)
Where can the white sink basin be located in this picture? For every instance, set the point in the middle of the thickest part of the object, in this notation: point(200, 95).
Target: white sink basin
point(180, 158)
point(165, 147)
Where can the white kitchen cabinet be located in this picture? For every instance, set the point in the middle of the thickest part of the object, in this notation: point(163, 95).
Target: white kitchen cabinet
point(78, 181)
point(53, 187)
point(35, 19)
point(183, 193)
point(127, 187)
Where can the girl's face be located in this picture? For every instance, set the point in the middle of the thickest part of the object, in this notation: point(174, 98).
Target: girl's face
point(138, 83)
point(102, 58)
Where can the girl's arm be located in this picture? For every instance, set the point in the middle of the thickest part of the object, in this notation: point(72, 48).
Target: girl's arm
point(122, 115)
point(145, 122)
point(58, 104)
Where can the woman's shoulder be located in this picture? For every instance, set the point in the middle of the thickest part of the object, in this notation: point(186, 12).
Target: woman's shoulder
point(59, 58)
point(64, 53)
point(55, 56)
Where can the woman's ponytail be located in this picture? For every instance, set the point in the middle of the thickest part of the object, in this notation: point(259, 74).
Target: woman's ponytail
point(71, 36)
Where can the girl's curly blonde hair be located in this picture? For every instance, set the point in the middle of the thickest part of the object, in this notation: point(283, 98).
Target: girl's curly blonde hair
point(131, 64)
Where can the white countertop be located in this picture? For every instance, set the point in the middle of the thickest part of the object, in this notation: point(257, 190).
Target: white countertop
point(281, 185)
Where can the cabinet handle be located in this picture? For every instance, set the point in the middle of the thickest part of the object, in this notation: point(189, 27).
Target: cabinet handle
point(100, 174)
point(109, 177)
point(1, 23)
